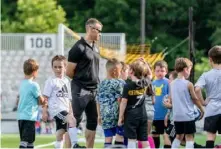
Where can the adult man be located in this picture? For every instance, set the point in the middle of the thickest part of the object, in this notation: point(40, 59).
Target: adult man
point(83, 68)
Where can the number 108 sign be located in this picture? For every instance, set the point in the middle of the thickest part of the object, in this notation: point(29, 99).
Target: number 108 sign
point(40, 42)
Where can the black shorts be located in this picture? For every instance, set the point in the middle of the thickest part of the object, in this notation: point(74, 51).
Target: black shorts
point(61, 121)
point(158, 127)
point(170, 130)
point(84, 100)
point(135, 129)
point(27, 130)
point(187, 127)
point(213, 124)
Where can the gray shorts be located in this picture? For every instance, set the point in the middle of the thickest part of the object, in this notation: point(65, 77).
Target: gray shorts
point(150, 110)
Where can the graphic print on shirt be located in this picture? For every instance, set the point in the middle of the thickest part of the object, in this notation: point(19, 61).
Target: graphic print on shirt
point(63, 92)
point(158, 90)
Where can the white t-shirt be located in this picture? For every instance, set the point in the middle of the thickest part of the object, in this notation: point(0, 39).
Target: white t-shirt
point(59, 94)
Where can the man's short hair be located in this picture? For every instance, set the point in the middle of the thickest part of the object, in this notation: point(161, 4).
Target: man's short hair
point(182, 63)
point(111, 63)
point(93, 21)
point(58, 58)
point(215, 54)
point(161, 64)
point(30, 66)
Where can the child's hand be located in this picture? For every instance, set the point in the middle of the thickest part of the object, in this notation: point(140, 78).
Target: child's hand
point(167, 104)
point(45, 116)
point(201, 114)
point(120, 122)
point(99, 121)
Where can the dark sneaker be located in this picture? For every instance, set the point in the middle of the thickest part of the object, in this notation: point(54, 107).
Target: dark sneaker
point(78, 146)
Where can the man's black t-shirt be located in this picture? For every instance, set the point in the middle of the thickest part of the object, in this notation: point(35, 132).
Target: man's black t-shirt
point(86, 73)
point(134, 93)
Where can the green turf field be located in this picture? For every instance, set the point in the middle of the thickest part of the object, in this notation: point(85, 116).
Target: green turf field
point(12, 140)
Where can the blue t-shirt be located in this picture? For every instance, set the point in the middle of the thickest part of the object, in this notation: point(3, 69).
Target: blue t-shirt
point(109, 91)
point(28, 100)
point(161, 88)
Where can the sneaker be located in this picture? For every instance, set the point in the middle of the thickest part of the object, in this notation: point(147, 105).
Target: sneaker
point(78, 146)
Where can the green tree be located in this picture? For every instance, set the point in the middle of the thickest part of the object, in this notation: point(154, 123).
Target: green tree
point(35, 16)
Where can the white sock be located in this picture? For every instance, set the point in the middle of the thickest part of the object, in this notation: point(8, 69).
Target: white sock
point(73, 135)
point(176, 143)
point(58, 145)
point(131, 144)
point(189, 144)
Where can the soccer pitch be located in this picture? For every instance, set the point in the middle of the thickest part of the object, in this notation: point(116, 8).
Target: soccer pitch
point(46, 141)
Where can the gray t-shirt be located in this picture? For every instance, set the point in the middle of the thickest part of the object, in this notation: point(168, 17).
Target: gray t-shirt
point(211, 81)
point(183, 107)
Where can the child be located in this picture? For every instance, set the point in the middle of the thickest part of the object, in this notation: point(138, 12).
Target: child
point(132, 107)
point(57, 91)
point(124, 71)
point(29, 97)
point(183, 99)
point(161, 89)
point(211, 81)
point(109, 93)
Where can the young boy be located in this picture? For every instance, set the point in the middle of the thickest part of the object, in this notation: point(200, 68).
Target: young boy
point(161, 89)
point(183, 100)
point(29, 97)
point(109, 93)
point(132, 107)
point(211, 81)
point(57, 92)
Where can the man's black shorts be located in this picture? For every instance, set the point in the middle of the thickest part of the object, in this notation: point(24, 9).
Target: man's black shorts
point(84, 100)
point(61, 120)
point(213, 124)
point(135, 129)
point(186, 127)
point(27, 130)
point(158, 127)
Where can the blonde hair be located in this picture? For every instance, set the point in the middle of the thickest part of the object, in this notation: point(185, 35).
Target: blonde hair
point(138, 67)
point(30, 66)
point(182, 63)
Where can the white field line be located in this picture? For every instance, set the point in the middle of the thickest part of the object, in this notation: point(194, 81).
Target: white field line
point(82, 140)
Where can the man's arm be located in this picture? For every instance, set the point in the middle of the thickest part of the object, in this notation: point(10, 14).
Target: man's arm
point(70, 69)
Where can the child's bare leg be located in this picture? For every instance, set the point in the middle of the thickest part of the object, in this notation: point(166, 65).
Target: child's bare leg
point(108, 141)
point(211, 137)
point(177, 141)
point(72, 130)
point(145, 144)
point(59, 139)
point(189, 141)
point(67, 141)
point(167, 143)
point(149, 125)
point(119, 140)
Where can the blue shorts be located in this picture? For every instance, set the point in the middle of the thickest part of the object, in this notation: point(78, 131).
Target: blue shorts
point(113, 131)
